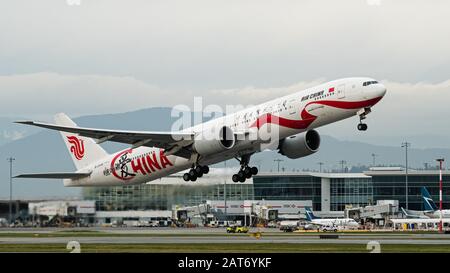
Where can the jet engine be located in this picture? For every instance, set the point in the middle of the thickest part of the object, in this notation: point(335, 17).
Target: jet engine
point(215, 141)
point(300, 145)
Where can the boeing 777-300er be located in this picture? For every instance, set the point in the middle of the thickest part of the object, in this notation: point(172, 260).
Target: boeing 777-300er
point(153, 155)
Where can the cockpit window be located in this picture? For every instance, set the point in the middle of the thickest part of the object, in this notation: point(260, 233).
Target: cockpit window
point(369, 83)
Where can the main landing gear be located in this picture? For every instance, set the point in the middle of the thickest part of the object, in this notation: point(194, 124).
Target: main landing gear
point(195, 172)
point(362, 115)
point(245, 171)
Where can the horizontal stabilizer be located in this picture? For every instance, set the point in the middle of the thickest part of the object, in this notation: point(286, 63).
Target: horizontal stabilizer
point(54, 175)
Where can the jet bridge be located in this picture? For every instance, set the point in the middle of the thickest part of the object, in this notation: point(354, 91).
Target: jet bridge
point(182, 215)
point(378, 214)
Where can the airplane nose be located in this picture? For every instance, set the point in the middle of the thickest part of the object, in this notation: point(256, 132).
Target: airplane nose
point(381, 90)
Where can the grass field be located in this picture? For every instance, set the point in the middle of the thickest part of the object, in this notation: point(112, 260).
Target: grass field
point(222, 248)
point(29, 245)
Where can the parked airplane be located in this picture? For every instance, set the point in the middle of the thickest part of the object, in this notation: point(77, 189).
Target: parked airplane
point(430, 208)
point(414, 214)
point(428, 223)
point(330, 222)
point(153, 155)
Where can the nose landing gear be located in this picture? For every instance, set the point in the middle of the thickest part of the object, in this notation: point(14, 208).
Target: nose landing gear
point(362, 115)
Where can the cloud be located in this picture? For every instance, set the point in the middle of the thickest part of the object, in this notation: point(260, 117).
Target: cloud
point(43, 94)
point(407, 108)
point(12, 135)
point(205, 44)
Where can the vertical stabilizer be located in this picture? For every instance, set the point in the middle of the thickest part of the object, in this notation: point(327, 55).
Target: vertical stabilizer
point(428, 203)
point(83, 150)
point(309, 214)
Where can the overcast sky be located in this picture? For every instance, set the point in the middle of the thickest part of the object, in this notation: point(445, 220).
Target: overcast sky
point(107, 56)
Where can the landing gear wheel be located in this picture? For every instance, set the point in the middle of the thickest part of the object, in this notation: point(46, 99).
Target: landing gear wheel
point(362, 127)
point(205, 169)
point(247, 172)
point(186, 177)
point(254, 170)
point(193, 178)
point(198, 170)
point(241, 176)
point(192, 173)
point(235, 178)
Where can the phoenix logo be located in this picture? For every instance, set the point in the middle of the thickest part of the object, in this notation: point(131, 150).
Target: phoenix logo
point(76, 147)
point(122, 165)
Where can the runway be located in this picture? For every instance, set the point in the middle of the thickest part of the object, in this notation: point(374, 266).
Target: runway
point(211, 240)
point(206, 236)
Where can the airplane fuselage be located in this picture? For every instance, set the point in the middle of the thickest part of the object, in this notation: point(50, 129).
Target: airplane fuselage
point(289, 115)
point(437, 213)
point(339, 222)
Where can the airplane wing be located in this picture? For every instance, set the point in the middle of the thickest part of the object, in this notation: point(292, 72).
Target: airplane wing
point(53, 175)
point(173, 142)
point(414, 214)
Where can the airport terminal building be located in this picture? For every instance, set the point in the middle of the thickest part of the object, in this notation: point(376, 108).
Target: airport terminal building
point(164, 193)
point(336, 191)
point(328, 192)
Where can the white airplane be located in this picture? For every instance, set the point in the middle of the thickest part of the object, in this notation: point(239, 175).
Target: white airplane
point(333, 223)
point(430, 208)
point(153, 155)
point(435, 221)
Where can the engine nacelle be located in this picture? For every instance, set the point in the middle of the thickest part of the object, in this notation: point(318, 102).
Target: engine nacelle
point(207, 143)
point(300, 145)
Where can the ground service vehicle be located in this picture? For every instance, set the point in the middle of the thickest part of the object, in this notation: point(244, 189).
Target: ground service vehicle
point(237, 229)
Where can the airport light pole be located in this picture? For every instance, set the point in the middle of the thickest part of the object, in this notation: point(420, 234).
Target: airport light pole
point(406, 145)
point(10, 160)
point(320, 166)
point(373, 159)
point(225, 194)
point(440, 160)
point(342, 162)
point(278, 161)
